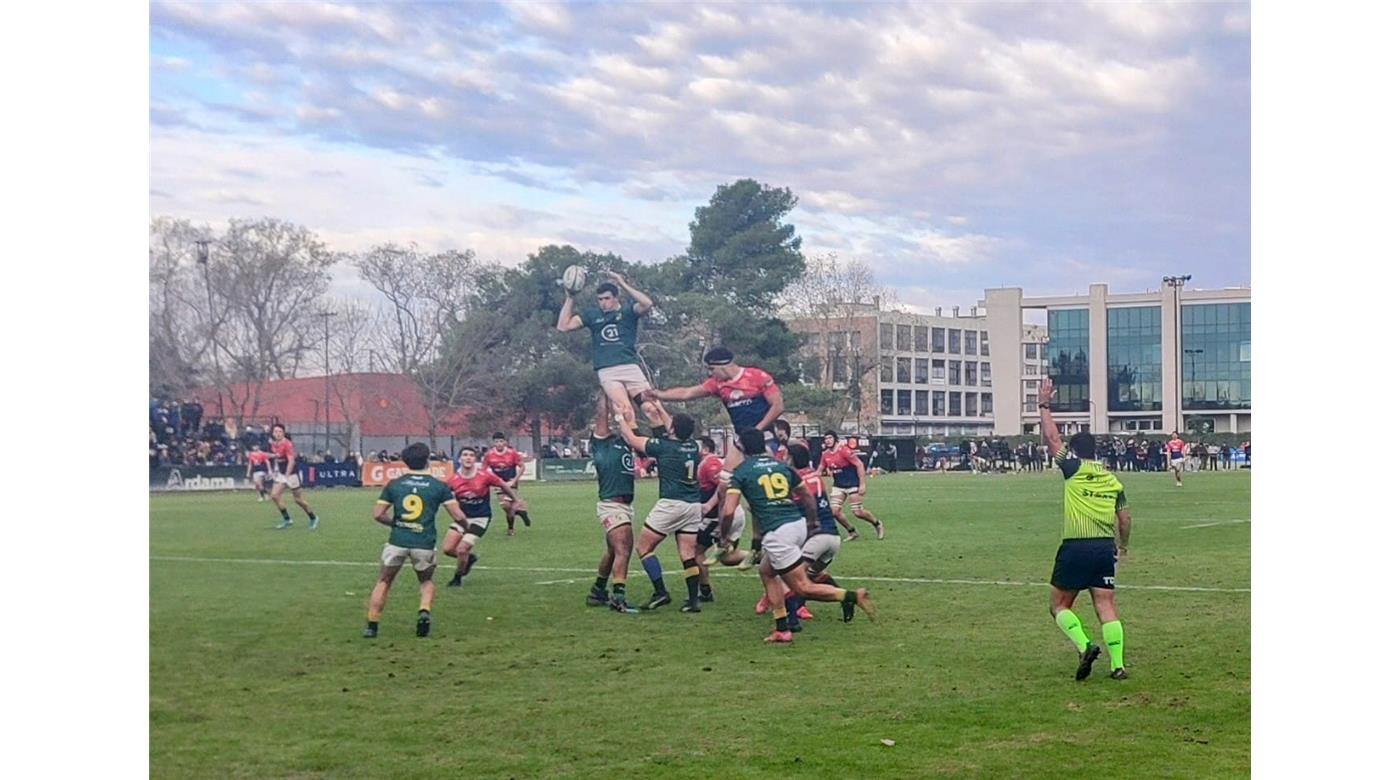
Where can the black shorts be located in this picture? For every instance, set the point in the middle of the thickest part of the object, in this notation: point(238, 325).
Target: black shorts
point(1085, 563)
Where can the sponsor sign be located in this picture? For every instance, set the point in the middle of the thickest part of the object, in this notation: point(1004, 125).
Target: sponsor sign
point(566, 469)
point(186, 478)
point(376, 474)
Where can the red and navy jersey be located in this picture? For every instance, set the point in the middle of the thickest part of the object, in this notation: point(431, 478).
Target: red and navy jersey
point(745, 396)
point(826, 521)
point(282, 453)
point(474, 493)
point(503, 464)
point(710, 467)
point(258, 460)
point(841, 462)
point(1176, 447)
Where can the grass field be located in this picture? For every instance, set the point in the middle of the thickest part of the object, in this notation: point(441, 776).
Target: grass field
point(258, 669)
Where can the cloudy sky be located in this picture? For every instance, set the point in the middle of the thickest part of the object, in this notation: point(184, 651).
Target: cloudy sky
point(953, 147)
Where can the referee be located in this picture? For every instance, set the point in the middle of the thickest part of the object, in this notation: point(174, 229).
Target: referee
point(1093, 541)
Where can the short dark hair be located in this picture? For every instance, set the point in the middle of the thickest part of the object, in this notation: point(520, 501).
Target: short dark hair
point(1082, 444)
point(719, 356)
point(275, 426)
point(751, 441)
point(608, 287)
point(782, 425)
point(498, 435)
point(707, 444)
point(415, 455)
point(683, 426)
point(800, 456)
point(832, 434)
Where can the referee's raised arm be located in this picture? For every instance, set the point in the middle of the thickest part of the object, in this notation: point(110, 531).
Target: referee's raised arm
point(1048, 431)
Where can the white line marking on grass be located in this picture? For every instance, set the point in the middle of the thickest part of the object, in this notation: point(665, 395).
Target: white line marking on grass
point(907, 580)
point(1216, 522)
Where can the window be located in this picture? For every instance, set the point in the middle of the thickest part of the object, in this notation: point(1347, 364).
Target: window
point(955, 404)
point(920, 403)
point(886, 402)
point(954, 340)
point(937, 372)
point(986, 374)
point(886, 335)
point(1135, 359)
point(954, 372)
point(839, 370)
point(986, 347)
point(903, 396)
point(1030, 352)
point(1030, 369)
point(937, 339)
point(969, 342)
point(938, 407)
point(1244, 352)
point(1031, 384)
point(886, 369)
point(970, 405)
point(970, 373)
point(921, 338)
point(902, 338)
point(901, 370)
point(1031, 404)
point(1216, 355)
point(986, 404)
point(920, 371)
point(1069, 363)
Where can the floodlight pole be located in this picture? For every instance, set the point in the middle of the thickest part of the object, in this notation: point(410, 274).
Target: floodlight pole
point(203, 259)
point(1176, 283)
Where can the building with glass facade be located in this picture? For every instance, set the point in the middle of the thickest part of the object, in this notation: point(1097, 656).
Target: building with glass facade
point(1170, 359)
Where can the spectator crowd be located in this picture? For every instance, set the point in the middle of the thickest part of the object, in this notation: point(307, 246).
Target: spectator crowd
point(1115, 452)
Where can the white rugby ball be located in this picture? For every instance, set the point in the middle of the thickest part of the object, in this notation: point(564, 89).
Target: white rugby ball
point(575, 278)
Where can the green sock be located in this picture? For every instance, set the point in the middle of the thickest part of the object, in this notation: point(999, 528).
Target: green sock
point(1069, 623)
point(1113, 637)
point(600, 584)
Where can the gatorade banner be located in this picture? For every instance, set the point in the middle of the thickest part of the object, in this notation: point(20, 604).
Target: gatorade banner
point(376, 474)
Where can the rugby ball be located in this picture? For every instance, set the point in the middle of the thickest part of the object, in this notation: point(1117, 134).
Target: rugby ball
point(574, 278)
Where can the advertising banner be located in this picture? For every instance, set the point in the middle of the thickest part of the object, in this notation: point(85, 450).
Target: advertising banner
point(376, 474)
point(563, 469)
point(184, 478)
point(329, 474)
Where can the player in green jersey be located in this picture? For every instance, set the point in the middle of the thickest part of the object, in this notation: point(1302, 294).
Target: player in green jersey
point(613, 326)
point(677, 511)
point(770, 487)
point(1095, 538)
point(409, 506)
point(614, 464)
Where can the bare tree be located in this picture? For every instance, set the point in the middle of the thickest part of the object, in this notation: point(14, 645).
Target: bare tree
point(180, 325)
point(831, 298)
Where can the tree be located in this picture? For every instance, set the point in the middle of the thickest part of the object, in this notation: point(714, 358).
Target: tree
point(180, 329)
point(740, 248)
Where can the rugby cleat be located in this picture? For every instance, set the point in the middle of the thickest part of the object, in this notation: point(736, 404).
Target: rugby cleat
point(370, 632)
point(848, 612)
point(285, 524)
point(425, 622)
point(712, 557)
point(455, 582)
point(762, 606)
point(657, 601)
point(620, 605)
point(852, 535)
point(779, 637)
point(510, 532)
point(315, 521)
point(596, 598)
point(1119, 674)
point(749, 560)
point(690, 606)
point(707, 596)
point(879, 530)
point(1086, 661)
point(804, 613)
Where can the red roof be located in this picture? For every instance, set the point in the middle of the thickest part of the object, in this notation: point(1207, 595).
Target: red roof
point(381, 404)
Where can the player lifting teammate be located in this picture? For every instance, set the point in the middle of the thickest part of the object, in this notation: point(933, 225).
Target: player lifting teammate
point(409, 506)
point(677, 511)
point(284, 476)
point(505, 461)
point(472, 486)
point(847, 484)
point(615, 466)
point(770, 489)
point(1092, 542)
point(614, 330)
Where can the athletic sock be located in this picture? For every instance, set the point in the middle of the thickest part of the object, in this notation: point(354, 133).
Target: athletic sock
point(692, 578)
point(286, 516)
point(706, 590)
point(311, 515)
point(424, 610)
point(373, 618)
point(653, 570)
point(510, 522)
point(619, 589)
point(791, 603)
point(1069, 623)
point(1113, 637)
point(780, 618)
point(757, 547)
point(600, 584)
point(847, 596)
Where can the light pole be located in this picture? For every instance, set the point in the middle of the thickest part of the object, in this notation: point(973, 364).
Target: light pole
point(203, 259)
point(1176, 283)
point(1193, 353)
point(326, 321)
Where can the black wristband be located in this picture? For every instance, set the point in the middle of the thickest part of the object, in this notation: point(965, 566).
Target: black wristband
point(1044, 406)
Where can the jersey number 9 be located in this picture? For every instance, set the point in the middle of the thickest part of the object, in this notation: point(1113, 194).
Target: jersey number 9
point(412, 507)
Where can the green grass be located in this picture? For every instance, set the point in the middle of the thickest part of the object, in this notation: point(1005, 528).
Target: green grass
point(258, 670)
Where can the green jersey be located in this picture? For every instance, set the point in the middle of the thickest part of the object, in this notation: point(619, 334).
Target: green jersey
point(1093, 497)
point(415, 498)
point(615, 466)
point(767, 484)
point(614, 335)
point(677, 466)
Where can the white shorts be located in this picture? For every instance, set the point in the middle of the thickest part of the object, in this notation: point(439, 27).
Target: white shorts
point(672, 516)
point(261, 478)
point(614, 514)
point(842, 496)
point(474, 530)
point(395, 556)
point(821, 549)
point(292, 480)
point(1178, 463)
point(629, 377)
point(783, 545)
point(736, 527)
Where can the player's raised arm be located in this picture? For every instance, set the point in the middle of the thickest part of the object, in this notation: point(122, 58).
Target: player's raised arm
point(678, 393)
point(642, 303)
point(568, 320)
point(1048, 432)
point(638, 443)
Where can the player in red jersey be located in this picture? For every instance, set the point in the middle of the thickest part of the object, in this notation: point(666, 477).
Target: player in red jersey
point(721, 551)
point(284, 476)
point(847, 484)
point(505, 461)
point(749, 394)
point(257, 472)
point(472, 486)
point(1176, 455)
